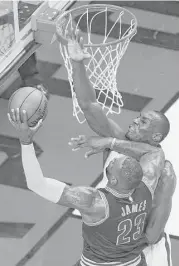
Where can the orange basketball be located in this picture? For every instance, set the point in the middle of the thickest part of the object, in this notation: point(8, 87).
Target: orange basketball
point(33, 101)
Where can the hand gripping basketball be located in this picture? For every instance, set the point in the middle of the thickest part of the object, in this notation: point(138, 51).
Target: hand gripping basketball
point(20, 123)
point(75, 46)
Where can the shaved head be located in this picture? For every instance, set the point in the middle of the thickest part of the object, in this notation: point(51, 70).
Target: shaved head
point(163, 124)
point(125, 171)
point(150, 127)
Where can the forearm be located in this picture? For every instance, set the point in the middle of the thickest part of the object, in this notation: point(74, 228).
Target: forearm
point(83, 89)
point(157, 220)
point(48, 188)
point(93, 112)
point(33, 173)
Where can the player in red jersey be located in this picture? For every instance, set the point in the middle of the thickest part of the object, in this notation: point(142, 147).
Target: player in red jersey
point(114, 218)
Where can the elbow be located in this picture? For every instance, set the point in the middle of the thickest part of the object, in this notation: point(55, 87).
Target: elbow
point(35, 187)
point(32, 187)
point(151, 241)
point(152, 237)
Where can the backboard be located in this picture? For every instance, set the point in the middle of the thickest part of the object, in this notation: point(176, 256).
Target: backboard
point(17, 41)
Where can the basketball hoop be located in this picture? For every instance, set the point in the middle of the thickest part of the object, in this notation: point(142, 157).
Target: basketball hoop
point(120, 26)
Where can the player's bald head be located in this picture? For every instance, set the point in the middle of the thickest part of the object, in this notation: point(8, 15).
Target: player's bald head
point(125, 172)
point(162, 123)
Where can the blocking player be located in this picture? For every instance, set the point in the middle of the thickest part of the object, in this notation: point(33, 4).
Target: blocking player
point(146, 131)
point(114, 218)
point(163, 192)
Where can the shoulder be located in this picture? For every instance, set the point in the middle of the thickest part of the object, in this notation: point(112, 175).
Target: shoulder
point(153, 161)
point(152, 165)
point(153, 154)
point(167, 181)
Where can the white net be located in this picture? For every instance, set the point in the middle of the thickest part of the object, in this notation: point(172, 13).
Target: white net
point(105, 58)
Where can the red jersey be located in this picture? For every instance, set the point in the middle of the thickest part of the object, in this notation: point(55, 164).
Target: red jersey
point(119, 238)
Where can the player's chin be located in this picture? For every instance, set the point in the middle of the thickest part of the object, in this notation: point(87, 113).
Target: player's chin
point(132, 136)
point(129, 135)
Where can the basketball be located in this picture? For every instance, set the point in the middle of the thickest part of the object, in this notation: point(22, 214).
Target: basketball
point(32, 100)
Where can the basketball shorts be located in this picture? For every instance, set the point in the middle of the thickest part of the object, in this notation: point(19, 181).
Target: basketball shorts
point(154, 255)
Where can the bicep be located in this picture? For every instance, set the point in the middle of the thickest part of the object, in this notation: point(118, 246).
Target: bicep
point(152, 165)
point(166, 184)
point(81, 198)
point(100, 123)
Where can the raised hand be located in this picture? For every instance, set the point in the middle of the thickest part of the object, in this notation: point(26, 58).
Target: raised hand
point(75, 46)
point(95, 144)
point(19, 121)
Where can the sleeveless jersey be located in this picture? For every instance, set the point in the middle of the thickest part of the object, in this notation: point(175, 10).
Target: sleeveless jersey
point(118, 238)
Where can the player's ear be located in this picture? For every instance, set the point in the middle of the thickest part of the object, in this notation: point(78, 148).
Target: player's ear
point(157, 137)
point(113, 181)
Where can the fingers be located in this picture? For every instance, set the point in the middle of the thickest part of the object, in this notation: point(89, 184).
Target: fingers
point(77, 34)
point(89, 153)
point(67, 35)
point(39, 124)
point(74, 34)
point(78, 143)
point(81, 42)
point(17, 115)
point(76, 149)
point(79, 140)
point(24, 117)
point(13, 115)
point(10, 119)
point(70, 35)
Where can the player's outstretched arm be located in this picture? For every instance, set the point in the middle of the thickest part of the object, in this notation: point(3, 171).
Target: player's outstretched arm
point(86, 199)
point(100, 144)
point(151, 158)
point(85, 93)
point(81, 198)
point(162, 204)
point(50, 189)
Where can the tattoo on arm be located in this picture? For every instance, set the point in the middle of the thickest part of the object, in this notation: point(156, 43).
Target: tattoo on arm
point(81, 198)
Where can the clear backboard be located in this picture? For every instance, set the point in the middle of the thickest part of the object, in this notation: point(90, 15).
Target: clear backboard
point(17, 38)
